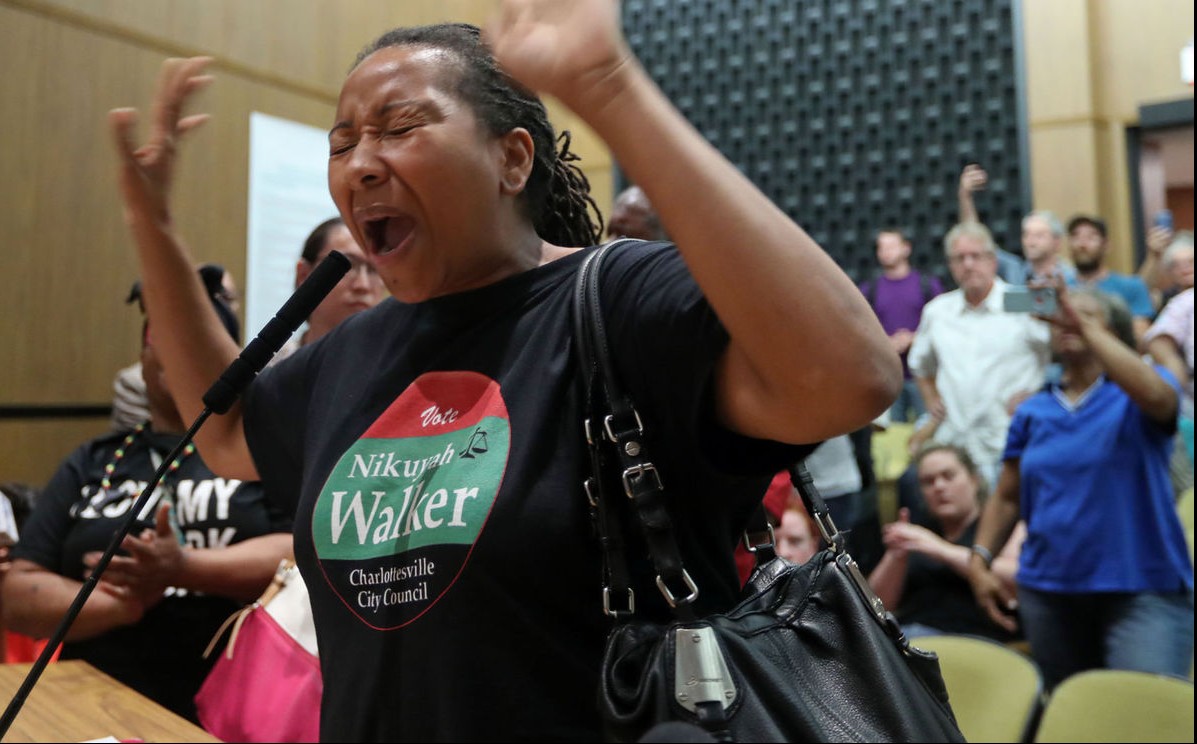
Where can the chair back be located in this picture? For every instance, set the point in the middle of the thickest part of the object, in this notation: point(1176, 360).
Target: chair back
point(995, 691)
point(1115, 705)
point(890, 457)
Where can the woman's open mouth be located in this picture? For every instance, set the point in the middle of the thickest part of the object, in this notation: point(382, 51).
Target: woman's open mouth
point(384, 232)
point(387, 234)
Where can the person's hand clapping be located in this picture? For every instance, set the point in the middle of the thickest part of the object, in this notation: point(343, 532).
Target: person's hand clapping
point(906, 537)
point(153, 563)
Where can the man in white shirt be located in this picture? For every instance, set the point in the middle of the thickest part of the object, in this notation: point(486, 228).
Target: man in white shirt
point(973, 361)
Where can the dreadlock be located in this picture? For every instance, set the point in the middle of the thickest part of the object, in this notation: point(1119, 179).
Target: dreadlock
point(557, 197)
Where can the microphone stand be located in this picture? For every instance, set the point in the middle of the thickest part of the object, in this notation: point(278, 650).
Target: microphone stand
point(219, 398)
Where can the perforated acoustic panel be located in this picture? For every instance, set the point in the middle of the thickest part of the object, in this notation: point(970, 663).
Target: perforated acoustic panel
point(852, 114)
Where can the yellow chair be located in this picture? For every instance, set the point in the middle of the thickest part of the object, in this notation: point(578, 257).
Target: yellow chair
point(889, 462)
point(1114, 705)
point(995, 691)
point(889, 451)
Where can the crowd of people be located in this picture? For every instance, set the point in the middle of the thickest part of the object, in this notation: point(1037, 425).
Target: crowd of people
point(1044, 474)
point(1071, 417)
point(453, 183)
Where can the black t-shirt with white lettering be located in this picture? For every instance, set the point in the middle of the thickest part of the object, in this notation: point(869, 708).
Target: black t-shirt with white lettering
point(161, 656)
point(442, 529)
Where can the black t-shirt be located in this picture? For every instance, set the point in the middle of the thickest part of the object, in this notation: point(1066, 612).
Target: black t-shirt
point(162, 656)
point(442, 529)
point(940, 598)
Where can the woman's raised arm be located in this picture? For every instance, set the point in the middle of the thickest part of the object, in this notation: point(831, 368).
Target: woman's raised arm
point(193, 344)
point(808, 358)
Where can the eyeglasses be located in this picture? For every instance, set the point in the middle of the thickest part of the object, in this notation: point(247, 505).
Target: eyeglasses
point(959, 258)
point(364, 268)
point(356, 265)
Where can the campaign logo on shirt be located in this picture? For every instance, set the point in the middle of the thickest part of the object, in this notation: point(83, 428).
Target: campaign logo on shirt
point(400, 512)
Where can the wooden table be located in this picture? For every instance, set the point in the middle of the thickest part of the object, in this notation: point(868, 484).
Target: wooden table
point(73, 702)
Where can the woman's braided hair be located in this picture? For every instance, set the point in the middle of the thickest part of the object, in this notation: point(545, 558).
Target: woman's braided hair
point(557, 197)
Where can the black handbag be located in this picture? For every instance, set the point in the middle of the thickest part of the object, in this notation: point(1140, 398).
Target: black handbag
point(808, 654)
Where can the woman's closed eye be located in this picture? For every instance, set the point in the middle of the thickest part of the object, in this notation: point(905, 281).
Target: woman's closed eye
point(339, 147)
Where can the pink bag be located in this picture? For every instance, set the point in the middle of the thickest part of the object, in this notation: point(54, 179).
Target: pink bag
point(266, 686)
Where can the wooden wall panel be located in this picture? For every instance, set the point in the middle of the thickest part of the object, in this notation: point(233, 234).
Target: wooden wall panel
point(313, 41)
point(33, 449)
point(63, 314)
point(1064, 169)
point(1138, 54)
point(1056, 48)
point(1114, 194)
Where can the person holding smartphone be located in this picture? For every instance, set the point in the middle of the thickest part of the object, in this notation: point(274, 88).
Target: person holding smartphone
point(1167, 268)
point(1104, 578)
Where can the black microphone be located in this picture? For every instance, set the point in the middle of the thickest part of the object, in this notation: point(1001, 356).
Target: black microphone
point(224, 392)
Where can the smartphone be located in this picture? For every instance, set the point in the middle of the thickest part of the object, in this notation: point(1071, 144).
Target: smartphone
point(1163, 218)
point(1036, 300)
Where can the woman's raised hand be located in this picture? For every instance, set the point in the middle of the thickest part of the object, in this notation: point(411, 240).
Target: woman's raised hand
point(146, 172)
point(570, 49)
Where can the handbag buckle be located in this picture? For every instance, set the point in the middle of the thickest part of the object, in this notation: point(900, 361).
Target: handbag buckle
point(631, 606)
point(700, 671)
point(752, 545)
point(637, 471)
point(669, 595)
point(588, 486)
point(611, 432)
point(829, 530)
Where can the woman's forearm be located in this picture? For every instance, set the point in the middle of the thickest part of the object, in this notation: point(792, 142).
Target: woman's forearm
point(240, 571)
point(36, 601)
point(808, 358)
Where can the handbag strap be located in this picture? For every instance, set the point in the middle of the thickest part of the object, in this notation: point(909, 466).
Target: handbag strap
point(237, 618)
point(620, 463)
point(619, 459)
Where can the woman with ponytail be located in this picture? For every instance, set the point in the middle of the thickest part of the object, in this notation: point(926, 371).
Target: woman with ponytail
point(435, 441)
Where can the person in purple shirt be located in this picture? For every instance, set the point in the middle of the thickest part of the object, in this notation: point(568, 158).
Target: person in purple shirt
point(897, 294)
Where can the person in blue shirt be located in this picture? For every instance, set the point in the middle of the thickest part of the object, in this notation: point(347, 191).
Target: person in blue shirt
point(1088, 238)
point(1104, 576)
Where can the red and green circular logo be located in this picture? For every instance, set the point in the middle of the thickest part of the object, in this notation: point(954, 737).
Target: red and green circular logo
point(400, 512)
